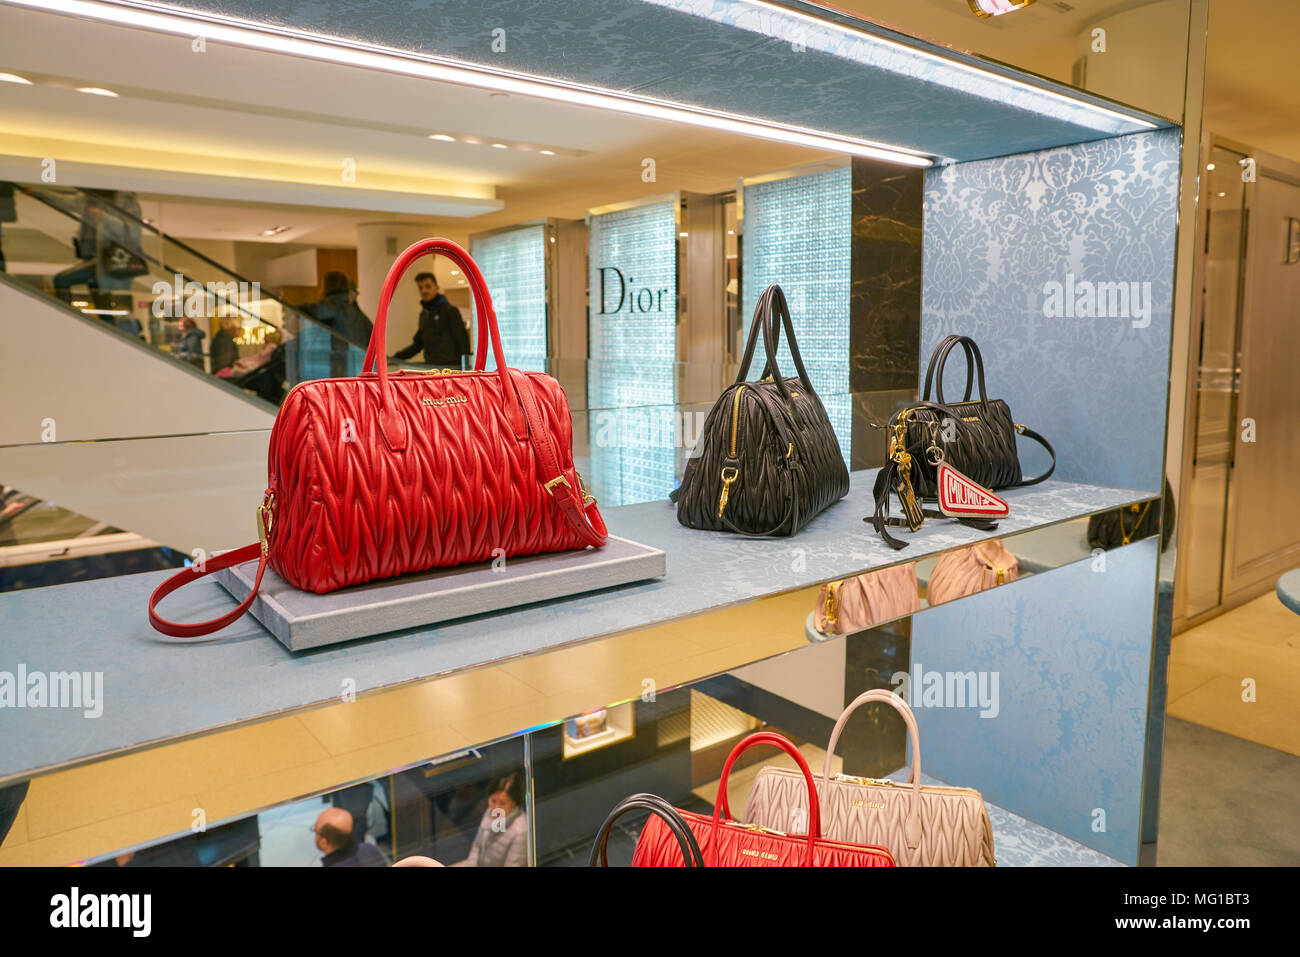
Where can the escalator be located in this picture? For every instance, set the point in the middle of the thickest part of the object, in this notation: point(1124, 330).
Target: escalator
point(141, 379)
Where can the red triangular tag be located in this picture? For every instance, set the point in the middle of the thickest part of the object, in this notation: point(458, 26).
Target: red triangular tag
point(962, 497)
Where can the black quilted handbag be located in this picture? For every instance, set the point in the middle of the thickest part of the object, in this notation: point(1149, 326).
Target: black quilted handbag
point(975, 436)
point(767, 461)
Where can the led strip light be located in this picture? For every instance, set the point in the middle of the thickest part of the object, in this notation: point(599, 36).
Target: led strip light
point(163, 19)
point(795, 26)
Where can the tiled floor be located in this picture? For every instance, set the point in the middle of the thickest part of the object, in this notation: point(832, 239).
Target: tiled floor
point(1251, 652)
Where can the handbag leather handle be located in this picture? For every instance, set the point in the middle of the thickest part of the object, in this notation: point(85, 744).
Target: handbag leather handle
point(722, 811)
point(391, 423)
point(974, 362)
point(772, 308)
point(934, 361)
point(661, 809)
point(912, 831)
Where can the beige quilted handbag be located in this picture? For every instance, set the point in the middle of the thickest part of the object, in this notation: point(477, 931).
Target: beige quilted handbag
point(920, 825)
point(968, 570)
point(866, 600)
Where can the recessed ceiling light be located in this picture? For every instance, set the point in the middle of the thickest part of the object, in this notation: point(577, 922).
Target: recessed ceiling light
point(500, 146)
point(1220, 194)
point(276, 230)
point(995, 8)
point(14, 78)
point(443, 137)
point(95, 91)
point(552, 239)
point(455, 272)
point(731, 232)
point(547, 152)
point(1209, 166)
point(683, 235)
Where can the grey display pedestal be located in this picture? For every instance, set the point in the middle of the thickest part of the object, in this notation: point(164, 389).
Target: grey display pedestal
point(302, 620)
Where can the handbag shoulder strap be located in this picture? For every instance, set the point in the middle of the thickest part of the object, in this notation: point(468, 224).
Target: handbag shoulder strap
point(578, 508)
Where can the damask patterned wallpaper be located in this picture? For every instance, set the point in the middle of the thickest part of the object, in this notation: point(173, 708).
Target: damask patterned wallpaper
point(1060, 265)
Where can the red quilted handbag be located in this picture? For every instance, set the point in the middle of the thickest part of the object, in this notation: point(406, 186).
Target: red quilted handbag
point(382, 475)
point(728, 843)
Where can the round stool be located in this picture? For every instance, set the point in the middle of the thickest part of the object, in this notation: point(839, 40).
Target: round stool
point(1288, 590)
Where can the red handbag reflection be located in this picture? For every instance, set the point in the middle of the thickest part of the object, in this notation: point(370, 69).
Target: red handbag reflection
point(727, 843)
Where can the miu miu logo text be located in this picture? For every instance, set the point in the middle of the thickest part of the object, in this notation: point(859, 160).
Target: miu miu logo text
point(449, 400)
point(761, 855)
point(876, 804)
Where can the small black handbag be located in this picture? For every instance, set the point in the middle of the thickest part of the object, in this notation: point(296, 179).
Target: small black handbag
point(657, 806)
point(767, 461)
point(977, 437)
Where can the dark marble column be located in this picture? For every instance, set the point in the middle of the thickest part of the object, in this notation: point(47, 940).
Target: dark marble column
point(885, 299)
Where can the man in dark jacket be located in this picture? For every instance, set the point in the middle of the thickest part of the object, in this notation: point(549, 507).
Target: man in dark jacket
point(334, 838)
point(442, 334)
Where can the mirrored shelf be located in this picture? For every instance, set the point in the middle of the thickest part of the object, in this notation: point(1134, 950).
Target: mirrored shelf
point(735, 601)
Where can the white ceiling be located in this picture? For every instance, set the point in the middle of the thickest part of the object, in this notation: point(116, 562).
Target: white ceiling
point(265, 118)
point(234, 112)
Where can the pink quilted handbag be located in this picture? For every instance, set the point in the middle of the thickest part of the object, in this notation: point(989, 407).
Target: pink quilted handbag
point(964, 572)
point(920, 825)
point(863, 601)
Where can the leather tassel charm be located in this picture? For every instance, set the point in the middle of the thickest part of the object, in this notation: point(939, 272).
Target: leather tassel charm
point(906, 494)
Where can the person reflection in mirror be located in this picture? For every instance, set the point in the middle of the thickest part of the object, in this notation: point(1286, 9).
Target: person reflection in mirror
point(333, 830)
point(442, 334)
point(502, 839)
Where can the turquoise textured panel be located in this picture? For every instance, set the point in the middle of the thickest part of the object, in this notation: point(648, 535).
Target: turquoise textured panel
point(797, 233)
point(632, 350)
point(514, 265)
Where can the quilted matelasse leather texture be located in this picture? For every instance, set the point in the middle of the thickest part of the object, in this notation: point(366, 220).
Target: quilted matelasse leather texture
point(866, 600)
point(983, 448)
point(738, 846)
point(758, 498)
point(464, 490)
point(955, 827)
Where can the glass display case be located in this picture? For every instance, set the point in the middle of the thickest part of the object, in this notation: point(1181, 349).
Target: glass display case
point(900, 190)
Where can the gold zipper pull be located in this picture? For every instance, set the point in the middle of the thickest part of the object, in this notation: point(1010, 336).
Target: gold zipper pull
point(727, 479)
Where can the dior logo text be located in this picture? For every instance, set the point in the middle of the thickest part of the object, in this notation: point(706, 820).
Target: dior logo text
point(54, 689)
point(131, 911)
point(449, 400)
point(629, 299)
point(948, 689)
point(1085, 299)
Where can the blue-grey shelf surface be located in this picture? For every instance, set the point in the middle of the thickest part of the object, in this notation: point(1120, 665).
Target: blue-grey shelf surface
point(156, 688)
